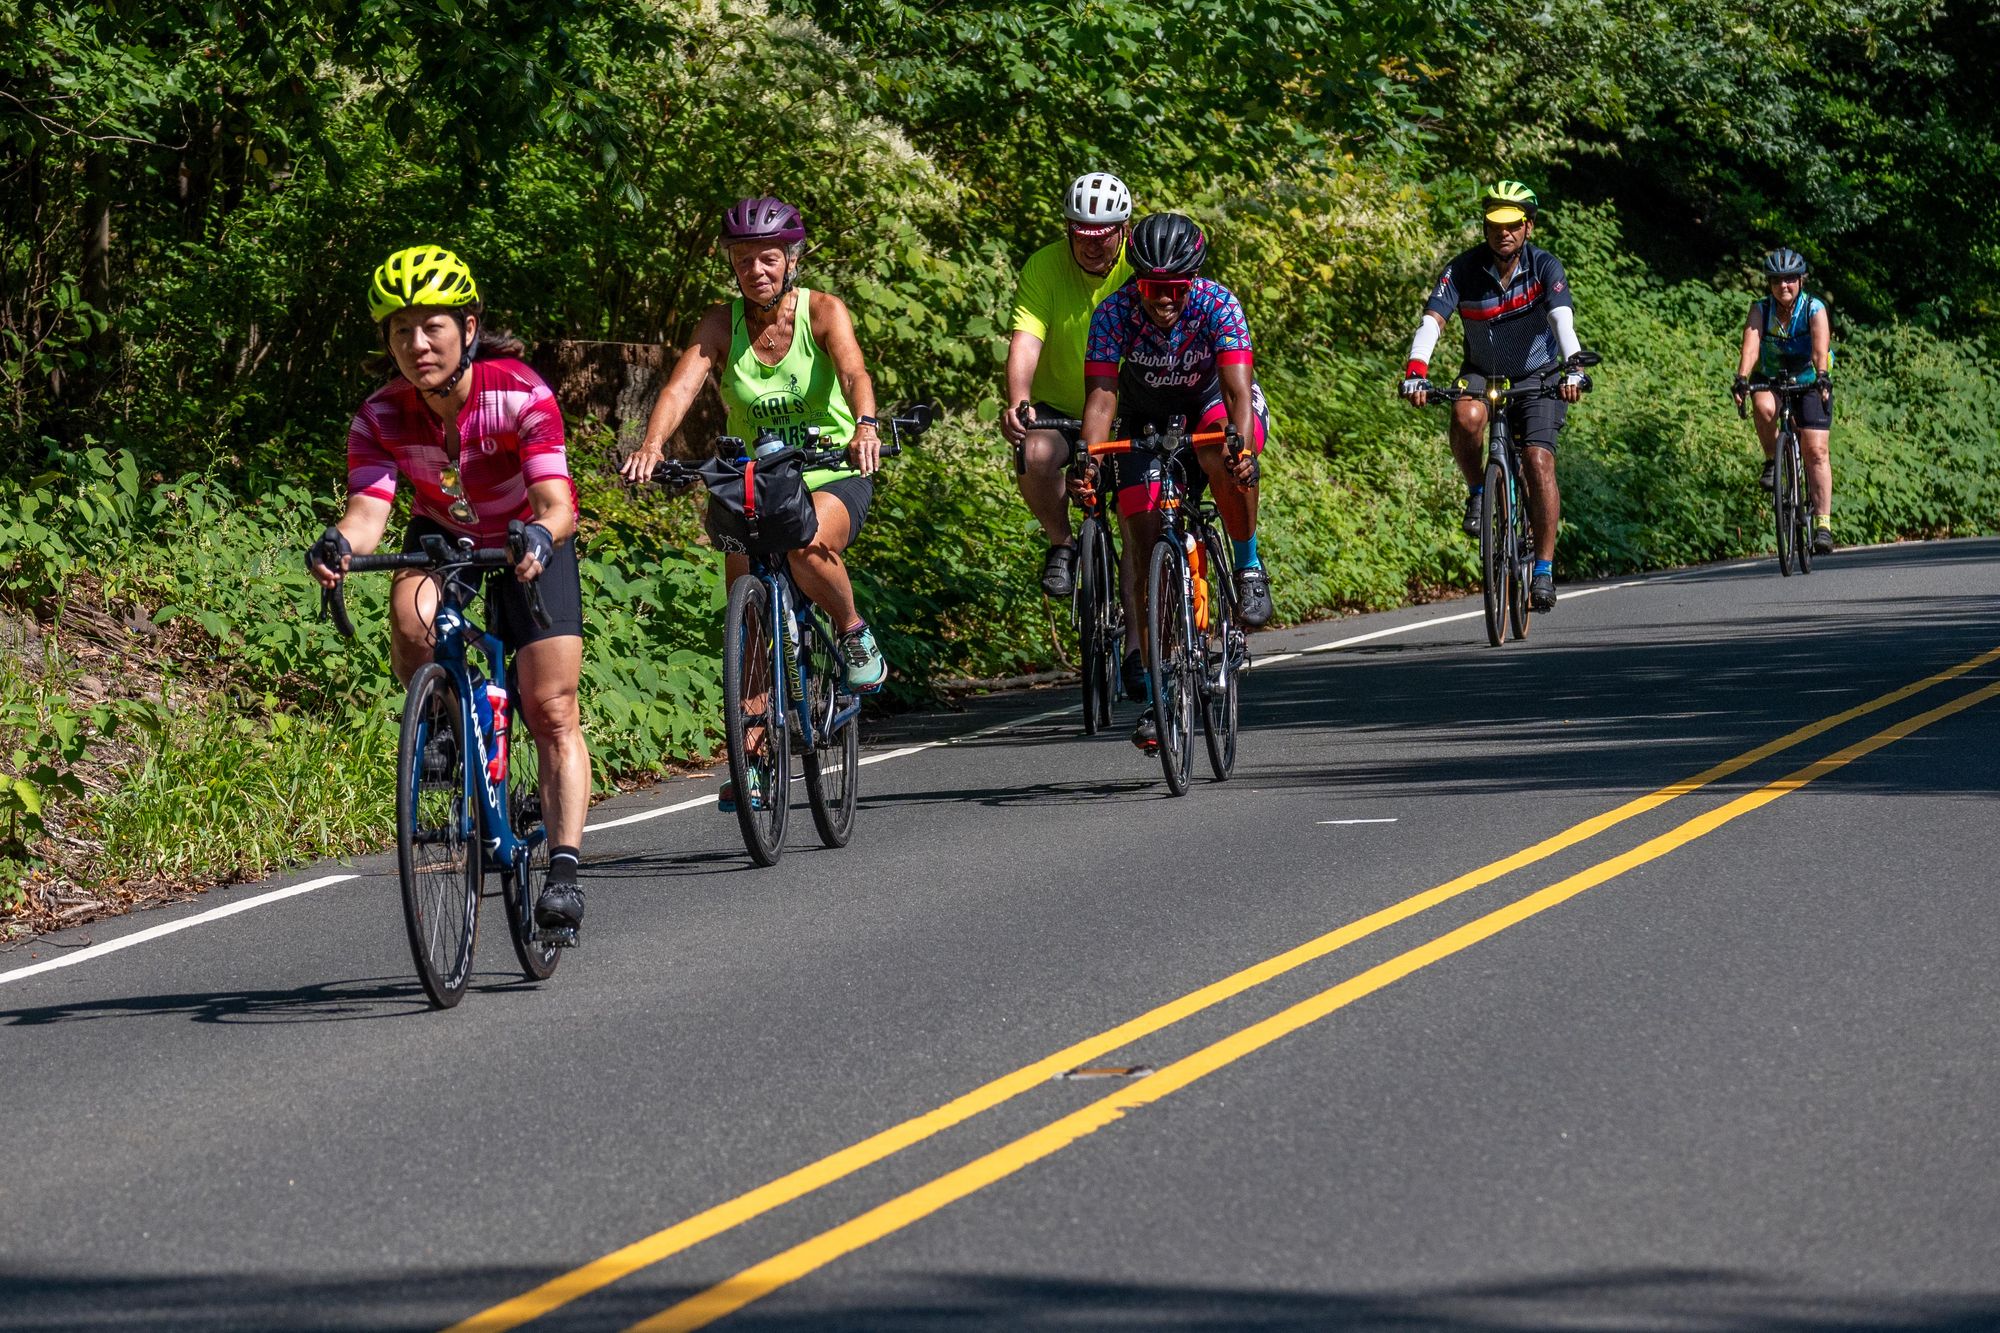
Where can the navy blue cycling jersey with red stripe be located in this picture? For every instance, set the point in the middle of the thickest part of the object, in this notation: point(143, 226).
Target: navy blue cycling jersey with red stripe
point(1166, 372)
point(1506, 323)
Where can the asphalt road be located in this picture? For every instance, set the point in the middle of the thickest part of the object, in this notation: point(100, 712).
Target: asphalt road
point(1639, 976)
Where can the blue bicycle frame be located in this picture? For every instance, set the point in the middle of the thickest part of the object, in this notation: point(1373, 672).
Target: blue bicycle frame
point(792, 619)
point(452, 629)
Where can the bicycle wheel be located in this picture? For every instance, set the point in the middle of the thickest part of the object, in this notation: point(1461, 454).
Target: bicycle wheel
point(1173, 665)
point(1218, 686)
point(749, 648)
point(833, 762)
point(1802, 519)
point(1111, 619)
point(1085, 610)
point(1784, 504)
point(521, 888)
point(1521, 573)
point(437, 853)
point(1493, 553)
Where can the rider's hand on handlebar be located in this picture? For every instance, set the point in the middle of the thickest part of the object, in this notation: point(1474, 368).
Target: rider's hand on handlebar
point(639, 466)
point(537, 548)
point(326, 559)
point(1572, 387)
point(1739, 390)
point(864, 451)
point(1011, 426)
point(1414, 385)
point(1082, 478)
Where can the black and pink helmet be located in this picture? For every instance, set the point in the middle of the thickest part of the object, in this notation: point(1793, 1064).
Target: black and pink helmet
point(763, 219)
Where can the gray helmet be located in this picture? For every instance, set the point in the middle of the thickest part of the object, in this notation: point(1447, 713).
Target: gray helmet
point(1784, 263)
point(1167, 245)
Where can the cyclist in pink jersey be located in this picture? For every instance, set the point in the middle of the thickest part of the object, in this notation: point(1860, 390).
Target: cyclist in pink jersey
point(478, 436)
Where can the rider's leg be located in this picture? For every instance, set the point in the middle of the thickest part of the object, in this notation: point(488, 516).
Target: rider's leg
point(1544, 499)
point(1468, 440)
point(1135, 557)
point(548, 671)
point(1819, 470)
point(1764, 411)
point(1044, 455)
point(818, 568)
point(413, 603)
point(821, 574)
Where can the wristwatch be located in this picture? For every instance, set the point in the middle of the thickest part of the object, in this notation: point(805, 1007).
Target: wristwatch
point(867, 421)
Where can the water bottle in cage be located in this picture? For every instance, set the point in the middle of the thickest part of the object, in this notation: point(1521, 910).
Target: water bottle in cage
point(490, 703)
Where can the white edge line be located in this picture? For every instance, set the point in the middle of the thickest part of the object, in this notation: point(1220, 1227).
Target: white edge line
point(168, 928)
point(1393, 629)
point(1390, 820)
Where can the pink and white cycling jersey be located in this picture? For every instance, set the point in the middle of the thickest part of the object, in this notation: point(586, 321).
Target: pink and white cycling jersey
point(510, 435)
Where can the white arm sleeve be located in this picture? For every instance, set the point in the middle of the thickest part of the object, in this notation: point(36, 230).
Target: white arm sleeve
point(1426, 340)
point(1563, 320)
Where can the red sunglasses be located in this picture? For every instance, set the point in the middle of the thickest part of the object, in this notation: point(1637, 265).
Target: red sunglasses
point(1152, 289)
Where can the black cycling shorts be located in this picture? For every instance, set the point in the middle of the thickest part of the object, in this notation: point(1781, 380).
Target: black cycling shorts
point(1814, 412)
point(855, 495)
point(507, 617)
point(1534, 422)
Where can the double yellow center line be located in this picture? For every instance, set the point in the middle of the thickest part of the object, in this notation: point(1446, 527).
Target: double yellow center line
point(753, 1283)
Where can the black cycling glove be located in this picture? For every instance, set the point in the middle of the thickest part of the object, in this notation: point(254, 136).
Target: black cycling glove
point(531, 539)
point(1739, 388)
point(328, 551)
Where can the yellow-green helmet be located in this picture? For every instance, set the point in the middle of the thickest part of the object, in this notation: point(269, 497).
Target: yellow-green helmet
point(420, 275)
point(1507, 202)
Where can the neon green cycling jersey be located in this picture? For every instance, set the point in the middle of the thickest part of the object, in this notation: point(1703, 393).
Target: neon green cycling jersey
point(1055, 302)
point(801, 390)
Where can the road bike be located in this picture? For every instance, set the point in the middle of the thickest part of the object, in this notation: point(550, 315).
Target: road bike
point(1791, 500)
point(1096, 607)
point(468, 790)
point(1195, 647)
point(772, 632)
point(1506, 529)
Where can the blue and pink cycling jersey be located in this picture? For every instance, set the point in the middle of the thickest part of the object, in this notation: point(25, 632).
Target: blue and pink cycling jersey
point(1169, 372)
point(1164, 373)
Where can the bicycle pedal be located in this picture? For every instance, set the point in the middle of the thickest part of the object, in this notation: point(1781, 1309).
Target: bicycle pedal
point(562, 937)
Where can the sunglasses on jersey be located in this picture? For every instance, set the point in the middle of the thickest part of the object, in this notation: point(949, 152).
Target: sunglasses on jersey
point(1152, 289)
point(449, 484)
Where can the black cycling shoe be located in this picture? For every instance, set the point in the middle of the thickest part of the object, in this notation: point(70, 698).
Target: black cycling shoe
point(437, 758)
point(1472, 514)
point(1132, 674)
point(1147, 734)
point(1542, 592)
point(1253, 596)
point(1822, 541)
point(1768, 478)
point(560, 907)
point(1059, 571)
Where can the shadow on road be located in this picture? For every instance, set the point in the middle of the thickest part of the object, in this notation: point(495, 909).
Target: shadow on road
point(1623, 707)
point(1594, 1302)
point(321, 1002)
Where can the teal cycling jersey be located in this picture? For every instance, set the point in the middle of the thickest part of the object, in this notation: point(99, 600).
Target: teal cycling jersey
point(1786, 344)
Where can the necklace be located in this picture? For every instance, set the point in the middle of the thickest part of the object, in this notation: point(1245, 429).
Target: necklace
point(781, 320)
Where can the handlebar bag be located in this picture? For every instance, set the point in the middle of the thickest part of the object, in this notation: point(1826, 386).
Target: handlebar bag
point(760, 506)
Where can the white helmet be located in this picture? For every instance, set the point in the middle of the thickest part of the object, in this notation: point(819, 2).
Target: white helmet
point(1096, 199)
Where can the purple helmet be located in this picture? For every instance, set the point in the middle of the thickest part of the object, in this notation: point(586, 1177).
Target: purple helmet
point(763, 219)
